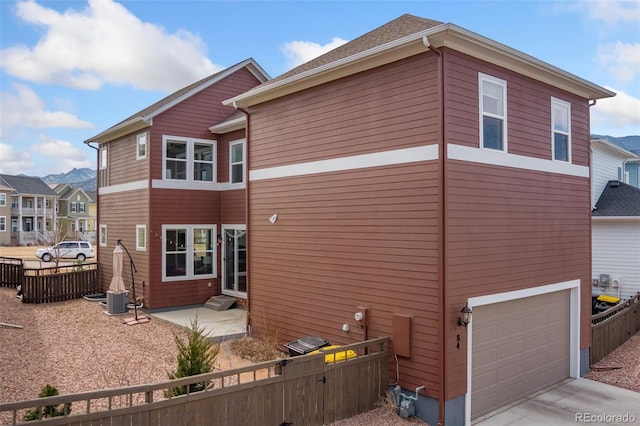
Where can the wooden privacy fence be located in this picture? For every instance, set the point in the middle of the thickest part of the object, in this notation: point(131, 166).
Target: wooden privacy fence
point(613, 327)
point(302, 390)
point(11, 271)
point(47, 285)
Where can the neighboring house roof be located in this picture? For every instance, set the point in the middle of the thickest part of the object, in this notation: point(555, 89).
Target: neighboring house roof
point(613, 147)
point(27, 185)
point(70, 191)
point(403, 37)
point(92, 195)
point(618, 199)
point(142, 119)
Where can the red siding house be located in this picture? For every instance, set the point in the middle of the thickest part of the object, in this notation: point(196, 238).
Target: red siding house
point(172, 191)
point(416, 171)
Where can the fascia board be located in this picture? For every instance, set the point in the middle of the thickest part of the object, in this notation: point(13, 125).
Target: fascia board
point(445, 35)
point(615, 218)
point(123, 129)
point(375, 57)
point(229, 126)
point(475, 45)
point(614, 148)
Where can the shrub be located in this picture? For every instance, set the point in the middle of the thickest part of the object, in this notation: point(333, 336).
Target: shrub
point(195, 356)
point(49, 410)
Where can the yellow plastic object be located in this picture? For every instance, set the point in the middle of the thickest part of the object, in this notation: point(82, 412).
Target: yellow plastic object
point(338, 356)
point(608, 299)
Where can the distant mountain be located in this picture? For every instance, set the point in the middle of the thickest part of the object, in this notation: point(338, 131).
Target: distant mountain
point(83, 178)
point(630, 143)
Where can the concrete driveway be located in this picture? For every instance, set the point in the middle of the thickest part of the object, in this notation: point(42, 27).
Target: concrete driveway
point(574, 401)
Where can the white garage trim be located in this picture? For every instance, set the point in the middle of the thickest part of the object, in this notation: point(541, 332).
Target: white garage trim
point(574, 315)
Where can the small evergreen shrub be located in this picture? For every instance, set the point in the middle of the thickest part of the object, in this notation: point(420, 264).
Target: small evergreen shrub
point(49, 410)
point(195, 356)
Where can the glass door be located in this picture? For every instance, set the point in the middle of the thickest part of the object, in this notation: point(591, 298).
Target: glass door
point(234, 260)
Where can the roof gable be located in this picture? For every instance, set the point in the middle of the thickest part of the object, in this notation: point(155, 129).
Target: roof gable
point(618, 199)
point(142, 118)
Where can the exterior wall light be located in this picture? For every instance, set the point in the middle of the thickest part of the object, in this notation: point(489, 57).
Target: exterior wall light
point(465, 316)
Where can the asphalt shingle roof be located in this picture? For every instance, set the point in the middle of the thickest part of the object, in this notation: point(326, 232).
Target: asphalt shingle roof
point(400, 27)
point(28, 185)
point(618, 199)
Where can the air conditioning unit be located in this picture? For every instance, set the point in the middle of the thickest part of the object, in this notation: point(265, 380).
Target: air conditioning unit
point(605, 280)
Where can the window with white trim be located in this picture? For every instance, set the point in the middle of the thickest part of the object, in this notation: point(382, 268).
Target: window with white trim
point(141, 146)
point(561, 129)
point(236, 162)
point(14, 202)
point(189, 159)
point(82, 208)
point(3, 223)
point(188, 252)
point(14, 225)
point(103, 158)
point(493, 112)
point(141, 237)
point(74, 207)
point(3, 200)
point(103, 235)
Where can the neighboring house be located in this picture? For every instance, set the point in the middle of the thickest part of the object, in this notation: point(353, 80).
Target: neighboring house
point(75, 219)
point(33, 215)
point(607, 163)
point(173, 192)
point(632, 172)
point(5, 214)
point(411, 172)
point(615, 221)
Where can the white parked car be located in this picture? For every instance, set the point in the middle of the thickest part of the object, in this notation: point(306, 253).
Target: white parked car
point(67, 250)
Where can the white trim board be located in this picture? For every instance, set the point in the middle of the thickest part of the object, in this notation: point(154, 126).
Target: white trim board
point(499, 158)
point(574, 332)
point(375, 159)
point(124, 187)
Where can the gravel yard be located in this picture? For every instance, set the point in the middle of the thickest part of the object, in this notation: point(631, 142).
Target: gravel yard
point(76, 347)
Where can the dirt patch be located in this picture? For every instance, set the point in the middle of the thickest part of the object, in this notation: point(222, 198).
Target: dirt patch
point(621, 367)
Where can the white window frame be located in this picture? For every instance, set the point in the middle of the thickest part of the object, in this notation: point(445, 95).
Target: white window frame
point(241, 162)
point(3, 223)
point(104, 160)
point(141, 141)
point(74, 207)
point(503, 83)
point(141, 243)
point(14, 225)
point(190, 160)
point(566, 106)
point(82, 208)
point(3, 200)
point(102, 235)
point(190, 250)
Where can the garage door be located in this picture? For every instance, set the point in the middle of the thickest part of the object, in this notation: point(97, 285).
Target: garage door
point(519, 347)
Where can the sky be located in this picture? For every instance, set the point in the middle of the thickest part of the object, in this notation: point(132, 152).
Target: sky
point(71, 69)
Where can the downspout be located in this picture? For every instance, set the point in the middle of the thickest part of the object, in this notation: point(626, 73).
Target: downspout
point(443, 223)
point(246, 213)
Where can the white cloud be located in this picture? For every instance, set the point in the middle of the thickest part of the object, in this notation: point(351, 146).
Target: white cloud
point(62, 152)
point(623, 60)
point(105, 44)
point(617, 116)
point(25, 108)
point(613, 11)
point(14, 162)
point(299, 52)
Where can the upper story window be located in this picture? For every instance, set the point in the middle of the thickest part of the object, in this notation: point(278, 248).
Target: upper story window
point(74, 207)
point(3, 200)
point(561, 129)
point(236, 162)
point(493, 112)
point(103, 158)
point(14, 202)
point(141, 146)
point(189, 159)
point(81, 208)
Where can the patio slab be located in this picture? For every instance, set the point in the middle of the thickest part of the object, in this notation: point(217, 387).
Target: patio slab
point(219, 325)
